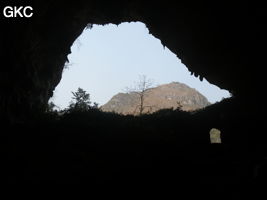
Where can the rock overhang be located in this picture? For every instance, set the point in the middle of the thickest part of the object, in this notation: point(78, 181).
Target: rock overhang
point(208, 38)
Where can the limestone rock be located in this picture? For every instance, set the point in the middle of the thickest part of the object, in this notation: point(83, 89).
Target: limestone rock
point(172, 95)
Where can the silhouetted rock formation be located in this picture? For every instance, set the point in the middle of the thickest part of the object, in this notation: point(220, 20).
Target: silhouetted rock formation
point(212, 39)
point(172, 95)
point(206, 39)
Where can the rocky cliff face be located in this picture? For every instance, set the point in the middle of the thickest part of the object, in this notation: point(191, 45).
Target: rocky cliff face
point(172, 95)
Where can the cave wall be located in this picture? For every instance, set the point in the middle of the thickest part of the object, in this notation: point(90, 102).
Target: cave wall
point(208, 38)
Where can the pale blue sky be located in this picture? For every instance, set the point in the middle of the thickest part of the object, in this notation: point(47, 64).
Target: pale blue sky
point(107, 59)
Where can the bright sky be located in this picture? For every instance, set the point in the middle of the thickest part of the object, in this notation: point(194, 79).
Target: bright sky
point(107, 59)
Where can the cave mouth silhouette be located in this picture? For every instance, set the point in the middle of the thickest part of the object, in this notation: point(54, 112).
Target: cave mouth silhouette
point(106, 59)
point(129, 157)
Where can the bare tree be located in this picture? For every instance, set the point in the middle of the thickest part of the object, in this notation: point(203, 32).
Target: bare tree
point(141, 89)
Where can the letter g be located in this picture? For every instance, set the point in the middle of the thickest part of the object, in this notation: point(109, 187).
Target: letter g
point(8, 11)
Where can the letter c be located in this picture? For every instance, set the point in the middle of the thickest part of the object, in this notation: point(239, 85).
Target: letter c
point(24, 11)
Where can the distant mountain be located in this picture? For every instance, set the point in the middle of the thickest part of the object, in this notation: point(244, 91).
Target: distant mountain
point(170, 95)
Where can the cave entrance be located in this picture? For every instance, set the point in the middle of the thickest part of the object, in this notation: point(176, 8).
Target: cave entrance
point(105, 60)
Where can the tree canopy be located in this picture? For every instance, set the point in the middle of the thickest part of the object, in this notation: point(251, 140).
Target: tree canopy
point(81, 100)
